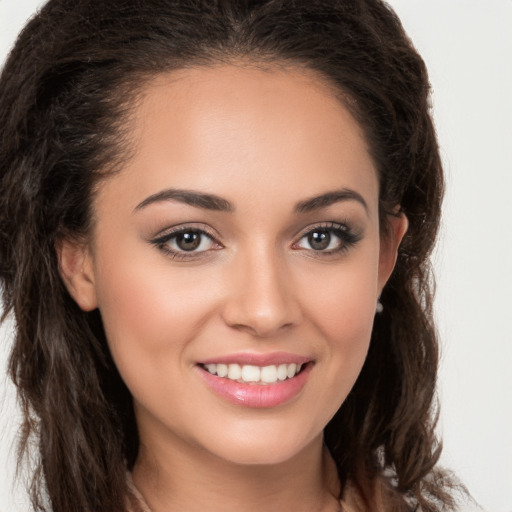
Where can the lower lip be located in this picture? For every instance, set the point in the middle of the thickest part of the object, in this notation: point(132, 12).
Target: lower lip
point(257, 395)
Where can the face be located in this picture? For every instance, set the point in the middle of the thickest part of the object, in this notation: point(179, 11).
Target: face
point(236, 261)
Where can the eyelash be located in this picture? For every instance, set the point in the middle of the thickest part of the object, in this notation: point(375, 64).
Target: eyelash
point(347, 237)
point(162, 242)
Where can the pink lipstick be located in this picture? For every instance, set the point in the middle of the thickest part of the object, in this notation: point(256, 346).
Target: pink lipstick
point(256, 380)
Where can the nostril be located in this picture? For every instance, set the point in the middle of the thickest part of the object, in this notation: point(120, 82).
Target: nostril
point(260, 329)
point(261, 320)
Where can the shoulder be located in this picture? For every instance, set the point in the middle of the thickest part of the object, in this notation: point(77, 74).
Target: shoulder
point(385, 500)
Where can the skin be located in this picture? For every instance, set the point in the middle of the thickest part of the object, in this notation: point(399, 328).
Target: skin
point(264, 140)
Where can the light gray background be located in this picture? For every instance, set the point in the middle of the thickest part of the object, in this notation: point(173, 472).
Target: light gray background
point(467, 45)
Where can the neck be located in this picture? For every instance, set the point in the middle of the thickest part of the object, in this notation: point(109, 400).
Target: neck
point(186, 478)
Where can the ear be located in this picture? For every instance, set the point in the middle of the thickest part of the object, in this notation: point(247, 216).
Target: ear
point(390, 241)
point(77, 272)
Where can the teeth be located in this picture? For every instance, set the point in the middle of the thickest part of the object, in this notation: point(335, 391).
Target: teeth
point(282, 372)
point(269, 374)
point(212, 368)
point(292, 369)
point(222, 370)
point(249, 373)
point(234, 372)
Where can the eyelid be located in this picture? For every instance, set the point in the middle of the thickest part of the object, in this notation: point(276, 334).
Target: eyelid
point(326, 225)
point(162, 239)
point(343, 230)
point(164, 234)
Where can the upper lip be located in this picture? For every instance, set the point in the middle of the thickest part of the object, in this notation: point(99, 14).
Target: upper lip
point(256, 359)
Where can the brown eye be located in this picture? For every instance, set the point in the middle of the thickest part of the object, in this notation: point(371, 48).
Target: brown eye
point(319, 240)
point(328, 239)
point(188, 241)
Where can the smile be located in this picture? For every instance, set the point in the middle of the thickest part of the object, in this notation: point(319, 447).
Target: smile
point(257, 381)
point(254, 374)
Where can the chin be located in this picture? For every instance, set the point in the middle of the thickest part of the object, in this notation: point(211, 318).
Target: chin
point(272, 447)
point(251, 457)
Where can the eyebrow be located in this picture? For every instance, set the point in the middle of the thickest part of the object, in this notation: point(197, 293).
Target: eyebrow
point(325, 200)
point(216, 203)
point(192, 198)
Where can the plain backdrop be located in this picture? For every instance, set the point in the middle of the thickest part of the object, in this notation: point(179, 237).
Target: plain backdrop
point(467, 45)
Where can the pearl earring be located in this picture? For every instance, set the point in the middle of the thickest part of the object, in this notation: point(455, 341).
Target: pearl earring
point(379, 308)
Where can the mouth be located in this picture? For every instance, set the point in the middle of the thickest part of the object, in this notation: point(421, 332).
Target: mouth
point(251, 374)
point(257, 381)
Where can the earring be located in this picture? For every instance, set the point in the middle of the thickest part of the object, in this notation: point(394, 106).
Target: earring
point(379, 308)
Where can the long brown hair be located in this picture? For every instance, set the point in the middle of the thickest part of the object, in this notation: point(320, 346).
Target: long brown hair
point(66, 93)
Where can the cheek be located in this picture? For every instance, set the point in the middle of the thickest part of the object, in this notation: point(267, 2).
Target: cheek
point(343, 311)
point(148, 312)
point(344, 302)
point(150, 317)
point(348, 320)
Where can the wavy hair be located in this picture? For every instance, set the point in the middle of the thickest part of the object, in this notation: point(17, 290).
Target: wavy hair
point(66, 94)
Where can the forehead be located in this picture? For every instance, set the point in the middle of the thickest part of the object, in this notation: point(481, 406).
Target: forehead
point(227, 128)
point(296, 100)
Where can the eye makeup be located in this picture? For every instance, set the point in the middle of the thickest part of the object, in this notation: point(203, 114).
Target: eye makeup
point(193, 241)
point(187, 241)
point(327, 238)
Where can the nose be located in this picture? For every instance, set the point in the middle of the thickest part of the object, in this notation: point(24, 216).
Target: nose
point(262, 300)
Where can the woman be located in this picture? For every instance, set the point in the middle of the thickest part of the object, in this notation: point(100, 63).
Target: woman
point(215, 226)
